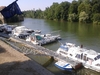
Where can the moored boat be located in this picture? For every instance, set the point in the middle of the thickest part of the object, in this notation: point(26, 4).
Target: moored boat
point(63, 65)
point(39, 39)
point(89, 58)
point(6, 28)
point(21, 31)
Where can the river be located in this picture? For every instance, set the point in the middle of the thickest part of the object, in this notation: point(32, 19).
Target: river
point(87, 35)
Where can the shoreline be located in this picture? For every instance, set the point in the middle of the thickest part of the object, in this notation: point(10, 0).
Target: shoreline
point(13, 62)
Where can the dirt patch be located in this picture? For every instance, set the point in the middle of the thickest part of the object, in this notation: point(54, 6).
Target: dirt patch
point(13, 62)
point(2, 49)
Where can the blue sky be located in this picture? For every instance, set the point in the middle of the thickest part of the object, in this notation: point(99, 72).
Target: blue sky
point(32, 4)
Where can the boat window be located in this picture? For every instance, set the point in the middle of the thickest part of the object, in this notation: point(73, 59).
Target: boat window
point(32, 34)
point(98, 57)
point(71, 55)
point(95, 58)
point(85, 57)
point(38, 37)
point(89, 60)
point(78, 56)
point(64, 48)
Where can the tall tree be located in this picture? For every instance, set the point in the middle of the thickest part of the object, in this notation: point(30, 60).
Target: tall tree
point(73, 7)
point(81, 8)
point(64, 10)
point(58, 12)
point(83, 17)
point(73, 10)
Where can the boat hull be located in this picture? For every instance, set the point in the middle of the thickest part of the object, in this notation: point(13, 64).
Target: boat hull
point(66, 67)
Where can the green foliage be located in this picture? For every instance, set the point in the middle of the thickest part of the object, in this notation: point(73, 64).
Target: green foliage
point(57, 11)
point(72, 17)
point(78, 10)
point(73, 7)
point(83, 17)
point(98, 23)
point(33, 14)
point(64, 10)
point(81, 8)
point(96, 19)
point(87, 8)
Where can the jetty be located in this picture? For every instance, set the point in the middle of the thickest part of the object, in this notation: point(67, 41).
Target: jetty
point(29, 48)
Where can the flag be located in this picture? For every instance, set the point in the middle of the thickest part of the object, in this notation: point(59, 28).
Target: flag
point(11, 10)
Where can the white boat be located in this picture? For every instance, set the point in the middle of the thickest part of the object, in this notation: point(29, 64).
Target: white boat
point(89, 58)
point(39, 39)
point(6, 28)
point(21, 31)
point(63, 65)
point(63, 49)
point(37, 31)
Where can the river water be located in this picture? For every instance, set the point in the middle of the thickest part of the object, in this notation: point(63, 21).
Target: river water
point(87, 35)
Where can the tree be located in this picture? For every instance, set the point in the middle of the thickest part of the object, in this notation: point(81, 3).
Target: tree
point(73, 7)
point(95, 6)
point(72, 17)
point(87, 8)
point(96, 18)
point(64, 10)
point(46, 16)
point(73, 10)
point(83, 17)
point(58, 13)
point(81, 8)
point(50, 13)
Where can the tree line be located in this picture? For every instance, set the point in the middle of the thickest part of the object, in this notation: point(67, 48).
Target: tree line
point(77, 11)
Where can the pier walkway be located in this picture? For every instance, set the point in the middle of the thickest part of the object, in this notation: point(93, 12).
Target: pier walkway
point(39, 49)
point(12, 62)
point(46, 51)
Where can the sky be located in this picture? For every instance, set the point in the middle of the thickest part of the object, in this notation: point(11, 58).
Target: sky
point(32, 4)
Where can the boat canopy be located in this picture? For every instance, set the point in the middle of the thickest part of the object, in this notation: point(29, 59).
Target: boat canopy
point(64, 48)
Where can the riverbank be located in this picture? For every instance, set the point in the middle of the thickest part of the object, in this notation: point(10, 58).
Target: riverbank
point(13, 62)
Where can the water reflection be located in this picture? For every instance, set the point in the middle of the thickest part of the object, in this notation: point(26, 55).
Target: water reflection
point(86, 34)
point(85, 71)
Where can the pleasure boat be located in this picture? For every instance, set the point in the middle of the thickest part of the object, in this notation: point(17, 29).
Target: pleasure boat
point(6, 28)
point(89, 58)
point(39, 39)
point(63, 49)
point(63, 65)
point(21, 31)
